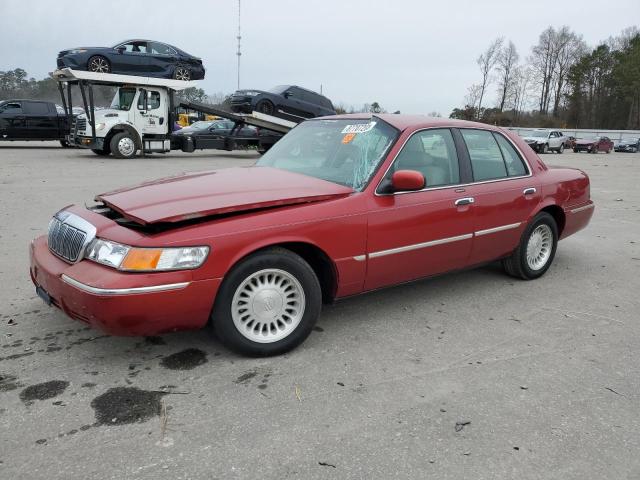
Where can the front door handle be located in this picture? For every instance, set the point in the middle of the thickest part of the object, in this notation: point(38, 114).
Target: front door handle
point(464, 201)
point(529, 191)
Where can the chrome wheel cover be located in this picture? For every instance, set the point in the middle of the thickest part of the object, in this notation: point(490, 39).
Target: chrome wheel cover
point(268, 305)
point(126, 146)
point(183, 74)
point(99, 65)
point(539, 247)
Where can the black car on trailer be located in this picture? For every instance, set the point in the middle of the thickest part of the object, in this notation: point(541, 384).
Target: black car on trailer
point(283, 101)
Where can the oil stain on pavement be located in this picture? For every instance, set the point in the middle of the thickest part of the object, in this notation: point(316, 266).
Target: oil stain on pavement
point(125, 405)
point(185, 360)
point(43, 391)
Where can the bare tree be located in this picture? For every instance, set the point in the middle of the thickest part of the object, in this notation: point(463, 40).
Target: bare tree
point(487, 61)
point(506, 65)
point(522, 83)
point(570, 47)
point(543, 60)
point(434, 114)
point(472, 96)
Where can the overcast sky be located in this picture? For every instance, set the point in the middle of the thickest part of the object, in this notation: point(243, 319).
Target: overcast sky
point(417, 56)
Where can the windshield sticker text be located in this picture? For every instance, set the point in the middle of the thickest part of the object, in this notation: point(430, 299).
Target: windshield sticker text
point(359, 128)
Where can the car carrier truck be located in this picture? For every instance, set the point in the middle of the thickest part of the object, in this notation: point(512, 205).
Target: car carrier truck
point(141, 117)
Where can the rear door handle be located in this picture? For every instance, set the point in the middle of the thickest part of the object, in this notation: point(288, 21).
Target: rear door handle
point(529, 191)
point(464, 201)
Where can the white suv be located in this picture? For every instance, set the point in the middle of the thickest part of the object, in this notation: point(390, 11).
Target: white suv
point(544, 141)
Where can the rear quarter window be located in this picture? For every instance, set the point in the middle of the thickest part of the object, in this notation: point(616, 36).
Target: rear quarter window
point(513, 161)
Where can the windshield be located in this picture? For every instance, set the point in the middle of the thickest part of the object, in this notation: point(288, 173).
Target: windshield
point(539, 134)
point(346, 151)
point(279, 89)
point(123, 99)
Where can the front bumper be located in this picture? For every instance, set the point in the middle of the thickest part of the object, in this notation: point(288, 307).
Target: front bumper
point(86, 142)
point(241, 106)
point(122, 303)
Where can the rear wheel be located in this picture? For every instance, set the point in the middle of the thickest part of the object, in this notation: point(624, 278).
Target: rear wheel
point(561, 149)
point(98, 64)
point(536, 250)
point(266, 107)
point(545, 148)
point(123, 145)
point(65, 144)
point(182, 73)
point(267, 304)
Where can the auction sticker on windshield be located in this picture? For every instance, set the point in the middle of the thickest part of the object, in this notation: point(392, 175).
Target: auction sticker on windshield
point(359, 128)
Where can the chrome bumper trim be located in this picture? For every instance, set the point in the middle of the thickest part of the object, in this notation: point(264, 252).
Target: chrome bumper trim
point(417, 246)
point(497, 229)
point(122, 291)
point(580, 209)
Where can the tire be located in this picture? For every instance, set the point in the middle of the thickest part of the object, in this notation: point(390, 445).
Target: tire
point(266, 107)
point(575, 150)
point(561, 149)
point(98, 64)
point(543, 228)
point(182, 73)
point(594, 150)
point(249, 327)
point(123, 145)
point(102, 153)
point(65, 144)
point(545, 148)
point(608, 150)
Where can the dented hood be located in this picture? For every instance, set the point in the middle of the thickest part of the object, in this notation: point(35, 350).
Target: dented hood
point(195, 195)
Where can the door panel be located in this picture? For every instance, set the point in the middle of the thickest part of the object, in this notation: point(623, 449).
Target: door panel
point(501, 210)
point(417, 234)
point(40, 122)
point(13, 123)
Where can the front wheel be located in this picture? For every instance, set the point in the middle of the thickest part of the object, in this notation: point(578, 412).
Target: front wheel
point(98, 64)
point(545, 148)
point(266, 107)
point(268, 304)
point(537, 249)
point(123, 145)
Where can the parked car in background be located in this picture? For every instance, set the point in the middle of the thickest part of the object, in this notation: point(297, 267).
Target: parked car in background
point(32, 120)
point(545, 141)
point(593, 144)
point(218, 134)
point(570, 142)
point(145, 58)
point(282, 101)
point(631, 145)
point(338, 207)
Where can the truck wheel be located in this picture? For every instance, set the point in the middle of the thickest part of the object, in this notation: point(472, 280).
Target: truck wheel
point(266, 107)
point(536, 250)
point(65, 144)
point(123, 145)
point(267, 304)
point(98, 64)
point(182, 73)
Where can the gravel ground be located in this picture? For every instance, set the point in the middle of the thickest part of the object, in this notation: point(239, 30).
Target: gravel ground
point(469, 375)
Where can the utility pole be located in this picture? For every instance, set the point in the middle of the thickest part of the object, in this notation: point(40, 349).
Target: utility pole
point(239, 37)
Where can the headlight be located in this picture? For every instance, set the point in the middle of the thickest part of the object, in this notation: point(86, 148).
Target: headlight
point(252, 94)
point(133, 259)
point(100, 126)
point(77, 50)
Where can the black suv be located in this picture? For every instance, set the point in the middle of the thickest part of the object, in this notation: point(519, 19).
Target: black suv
point(282, 101)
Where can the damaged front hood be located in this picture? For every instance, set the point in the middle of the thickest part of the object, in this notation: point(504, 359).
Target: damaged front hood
point(216, 192)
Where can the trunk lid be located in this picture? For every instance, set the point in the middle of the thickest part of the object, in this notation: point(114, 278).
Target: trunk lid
point(203, 194)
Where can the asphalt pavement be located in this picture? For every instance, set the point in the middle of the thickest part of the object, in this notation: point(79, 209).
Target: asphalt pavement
point(470, 375)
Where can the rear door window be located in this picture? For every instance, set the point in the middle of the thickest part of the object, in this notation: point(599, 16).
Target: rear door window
point(36, 108)
point(486, 158)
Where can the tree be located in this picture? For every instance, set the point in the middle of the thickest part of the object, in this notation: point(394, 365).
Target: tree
point(506, 65)
point(375, 107)
point(487, 61)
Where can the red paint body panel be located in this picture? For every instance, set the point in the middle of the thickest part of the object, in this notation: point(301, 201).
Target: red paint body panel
point(197, 195)
point(371, 240)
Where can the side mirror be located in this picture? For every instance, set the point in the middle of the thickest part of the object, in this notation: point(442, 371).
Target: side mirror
point(286, 94)
point(407, 181)
point(121, 50)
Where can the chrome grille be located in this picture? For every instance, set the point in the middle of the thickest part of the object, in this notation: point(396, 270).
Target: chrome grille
point(64, 240)
point(81, 124)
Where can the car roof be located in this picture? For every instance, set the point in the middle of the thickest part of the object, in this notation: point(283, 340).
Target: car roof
point(406, 121)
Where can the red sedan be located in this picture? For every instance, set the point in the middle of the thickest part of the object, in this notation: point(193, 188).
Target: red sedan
point(339, 206)
point(593, 145)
